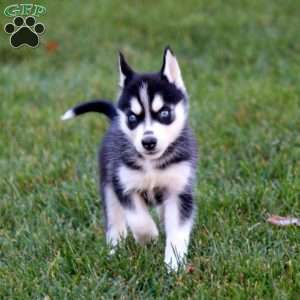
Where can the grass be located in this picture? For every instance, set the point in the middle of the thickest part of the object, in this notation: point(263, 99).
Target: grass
point(241, 65)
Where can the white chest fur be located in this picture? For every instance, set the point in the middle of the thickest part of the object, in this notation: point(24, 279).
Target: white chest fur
point(174, 178)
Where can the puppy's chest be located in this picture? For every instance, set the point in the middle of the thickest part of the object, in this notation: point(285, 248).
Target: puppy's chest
point(149, 178)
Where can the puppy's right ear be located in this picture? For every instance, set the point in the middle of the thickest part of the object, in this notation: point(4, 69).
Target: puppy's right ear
point(125, 71)
point(171, 70)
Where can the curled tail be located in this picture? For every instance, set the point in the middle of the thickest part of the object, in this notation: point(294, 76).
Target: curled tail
point(99, 106)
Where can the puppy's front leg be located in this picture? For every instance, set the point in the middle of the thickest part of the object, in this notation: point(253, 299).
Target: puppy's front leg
point(140, 221)
point(179, 212)
point(116, 228)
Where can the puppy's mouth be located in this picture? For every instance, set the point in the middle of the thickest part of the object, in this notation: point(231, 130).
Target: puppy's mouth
point(152, 154)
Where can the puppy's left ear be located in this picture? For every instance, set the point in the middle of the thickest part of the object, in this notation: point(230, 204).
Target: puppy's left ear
point(170, 69)
point(125, 71)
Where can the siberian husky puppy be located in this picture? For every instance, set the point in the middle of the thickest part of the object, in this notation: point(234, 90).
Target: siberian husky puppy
point(148, 158)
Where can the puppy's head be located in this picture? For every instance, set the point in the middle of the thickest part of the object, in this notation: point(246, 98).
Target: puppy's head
point(152, 107)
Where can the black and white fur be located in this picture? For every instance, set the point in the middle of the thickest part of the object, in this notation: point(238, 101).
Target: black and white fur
point(148, 158)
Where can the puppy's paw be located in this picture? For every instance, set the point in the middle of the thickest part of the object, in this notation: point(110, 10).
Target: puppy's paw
point(175, 258)
point(172, 263)
point(146, 236)
point(114, 237)
point(112, 251)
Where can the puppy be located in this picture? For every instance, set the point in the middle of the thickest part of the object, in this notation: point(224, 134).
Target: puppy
point(148, 158)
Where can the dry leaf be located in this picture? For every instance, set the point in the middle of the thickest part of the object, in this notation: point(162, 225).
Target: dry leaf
point(51, 46)
point(283, 221)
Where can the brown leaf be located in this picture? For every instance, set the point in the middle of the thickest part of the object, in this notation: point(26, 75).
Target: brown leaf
point(190, 268)
point(52, 46)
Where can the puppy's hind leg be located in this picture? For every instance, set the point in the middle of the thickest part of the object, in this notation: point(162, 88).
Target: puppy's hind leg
point(116, 228)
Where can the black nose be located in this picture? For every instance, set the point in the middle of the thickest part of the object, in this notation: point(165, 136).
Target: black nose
point(149, 142)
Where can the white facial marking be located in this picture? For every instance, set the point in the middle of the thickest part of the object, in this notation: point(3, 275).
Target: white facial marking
point(172, 70)
point(145, 100)
point(135, 106)
point(157, 103)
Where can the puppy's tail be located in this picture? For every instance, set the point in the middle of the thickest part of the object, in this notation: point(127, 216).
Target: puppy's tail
point(99, 106)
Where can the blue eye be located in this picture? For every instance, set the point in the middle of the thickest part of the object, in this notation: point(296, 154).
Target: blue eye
point(164, 116)
point(132, 118)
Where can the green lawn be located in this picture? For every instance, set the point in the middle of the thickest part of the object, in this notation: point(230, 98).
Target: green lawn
point(241, 65)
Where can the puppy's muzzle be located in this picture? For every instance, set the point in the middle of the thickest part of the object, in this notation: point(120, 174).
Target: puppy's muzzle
point(149, 143)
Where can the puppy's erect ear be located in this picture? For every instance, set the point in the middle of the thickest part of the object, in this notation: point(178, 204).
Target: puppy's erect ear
point(126, 73)
point(170, 69)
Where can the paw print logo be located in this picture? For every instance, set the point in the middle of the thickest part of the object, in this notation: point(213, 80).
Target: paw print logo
point(24, 32)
